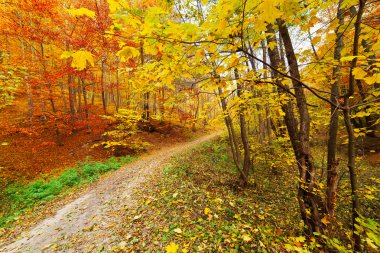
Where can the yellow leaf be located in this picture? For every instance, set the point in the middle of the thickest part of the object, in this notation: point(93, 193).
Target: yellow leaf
point(370, 197)
point(270, 12)
point(128, 52)
point(316, 40)
point(66, 54)
point(246, 238)
point(80, 58)
point(115, 5)
point(207, 210)
point(300, 239)
point(350, 58)
point(360, 115)
point(172, 248)
point(370, 79)
point(81, 12)
point(359, 73)
point(272, 45)
point(178, 231)
point(325, 220)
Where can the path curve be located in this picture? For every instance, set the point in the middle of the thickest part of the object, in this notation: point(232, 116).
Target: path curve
point(88, 224)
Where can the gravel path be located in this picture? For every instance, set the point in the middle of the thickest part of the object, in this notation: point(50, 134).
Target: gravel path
point(89, 223)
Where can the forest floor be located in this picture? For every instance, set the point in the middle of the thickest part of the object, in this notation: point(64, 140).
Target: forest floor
point(93, 218)
point(185, 198)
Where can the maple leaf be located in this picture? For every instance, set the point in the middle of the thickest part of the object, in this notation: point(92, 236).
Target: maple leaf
point(172, 248)
point(80, 58)
point(207, 210)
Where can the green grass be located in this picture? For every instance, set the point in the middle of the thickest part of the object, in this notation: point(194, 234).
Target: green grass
point(19, 197)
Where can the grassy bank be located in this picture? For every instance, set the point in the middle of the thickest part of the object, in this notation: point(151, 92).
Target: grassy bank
point(17, 198)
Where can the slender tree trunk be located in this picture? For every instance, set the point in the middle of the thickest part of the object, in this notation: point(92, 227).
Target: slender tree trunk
point(80, 98)
point(85, 105)
point(350, 131)
point(93, 93)
point(102, 87)
point(371, 119)
point(146, 114)
point(332, 163)
point(244, 136)
point(231, 131)
point(63, 97)
point(308, 199)
point(117, 99)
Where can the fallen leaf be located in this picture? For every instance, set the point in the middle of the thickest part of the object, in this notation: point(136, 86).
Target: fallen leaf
point(172, 248)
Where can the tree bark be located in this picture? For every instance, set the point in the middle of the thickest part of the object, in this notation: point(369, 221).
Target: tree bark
point(244, 136)
point(307, 190)
point(102, 87)
point(351, 153)
point(231, 131)
point(332, 163)
point(146, 114)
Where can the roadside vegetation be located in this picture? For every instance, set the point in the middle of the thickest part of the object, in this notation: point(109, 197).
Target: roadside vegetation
point(18, 198)
point(196, 206)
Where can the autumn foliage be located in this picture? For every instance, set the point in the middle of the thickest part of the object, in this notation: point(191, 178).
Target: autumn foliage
point(279, 74)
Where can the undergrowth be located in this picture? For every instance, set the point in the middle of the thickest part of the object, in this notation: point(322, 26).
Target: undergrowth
point(196, 206)
point(19, 197)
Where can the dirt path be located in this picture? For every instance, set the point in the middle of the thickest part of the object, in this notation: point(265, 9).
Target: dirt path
point(89, 223)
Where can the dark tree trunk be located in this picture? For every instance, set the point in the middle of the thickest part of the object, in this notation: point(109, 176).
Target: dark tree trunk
point(332, 163)
point(307, 196)
point(350, 131)
point(244, 136)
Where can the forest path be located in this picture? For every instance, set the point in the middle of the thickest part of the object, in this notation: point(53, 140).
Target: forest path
point(89, 223)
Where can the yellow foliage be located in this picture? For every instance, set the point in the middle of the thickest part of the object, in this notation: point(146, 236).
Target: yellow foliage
point(81, 12)
point(172, 248)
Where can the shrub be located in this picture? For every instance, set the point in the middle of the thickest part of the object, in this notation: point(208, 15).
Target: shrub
point(121, 139)
point(18, 197)
point(70, 178)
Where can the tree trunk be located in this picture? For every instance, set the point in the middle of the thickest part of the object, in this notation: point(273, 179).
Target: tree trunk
point(231, 131)
point(332, 163)
point(350, 131)
point(80, 98)
point(85, 105)
point(146, 114)
point(244, 136)
point(102, 87)
point(309, 201)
